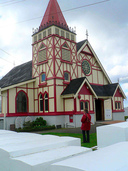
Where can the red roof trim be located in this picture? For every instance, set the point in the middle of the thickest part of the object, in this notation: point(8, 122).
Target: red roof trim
point(53, 14)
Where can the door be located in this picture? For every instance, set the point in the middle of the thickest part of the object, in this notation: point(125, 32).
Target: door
point(108, 109)
point(99, 110)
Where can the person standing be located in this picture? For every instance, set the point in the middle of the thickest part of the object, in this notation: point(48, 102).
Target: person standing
point(86, 125)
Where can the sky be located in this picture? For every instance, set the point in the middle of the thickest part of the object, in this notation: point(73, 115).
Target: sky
point(105, 20)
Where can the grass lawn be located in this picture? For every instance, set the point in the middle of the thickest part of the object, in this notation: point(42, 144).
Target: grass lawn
point(93, 140)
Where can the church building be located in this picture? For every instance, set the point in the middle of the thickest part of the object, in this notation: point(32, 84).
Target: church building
point(63, 78)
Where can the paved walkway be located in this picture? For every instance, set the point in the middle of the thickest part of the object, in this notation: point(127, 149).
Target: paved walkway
point(78, 130)
point(71, 130)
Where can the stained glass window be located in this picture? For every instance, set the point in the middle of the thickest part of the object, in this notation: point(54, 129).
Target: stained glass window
point(86, 67)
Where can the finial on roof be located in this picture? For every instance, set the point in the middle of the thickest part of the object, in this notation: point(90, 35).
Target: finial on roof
point(87, 34)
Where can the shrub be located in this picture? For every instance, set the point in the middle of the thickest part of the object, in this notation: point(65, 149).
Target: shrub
point(39, 122)
point(38, 125)
point(126, 117)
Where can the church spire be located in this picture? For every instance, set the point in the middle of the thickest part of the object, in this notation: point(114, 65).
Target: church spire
point(53, 16)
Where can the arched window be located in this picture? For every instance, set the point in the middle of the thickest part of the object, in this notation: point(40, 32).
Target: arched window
point(43, 103)
point(21, 102)
point(118, 105)
point(66, 76)
point(46, 102)
point(84, 105)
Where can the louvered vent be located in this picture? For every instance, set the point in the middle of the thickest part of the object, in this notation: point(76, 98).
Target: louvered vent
point(42, 55)
point(35, 38)
point(67, 35)
point(57, 31)
point(39, 36)
point(66, 55)
point(62, 33)
point(72, 37)
point(44, 34)
point(49, 31)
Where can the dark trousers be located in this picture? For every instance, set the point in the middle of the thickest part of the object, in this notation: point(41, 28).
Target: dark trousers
point(84, 137)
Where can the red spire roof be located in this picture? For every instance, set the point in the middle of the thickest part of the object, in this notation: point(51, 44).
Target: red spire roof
point(53, 15)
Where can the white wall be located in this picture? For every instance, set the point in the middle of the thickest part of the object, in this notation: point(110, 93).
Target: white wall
point(118, 116)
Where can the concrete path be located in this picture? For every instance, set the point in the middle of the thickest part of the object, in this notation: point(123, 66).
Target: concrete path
point(72, 130)
point(78, 130)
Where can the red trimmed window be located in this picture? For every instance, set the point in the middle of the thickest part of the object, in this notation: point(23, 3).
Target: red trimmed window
point(66, 76)
point(66, 54)
point(21, 102)
point(43, 103)
point(42, 54)
point(84, 105)
point(46, 102)
point(118, 105)
point(42, 77)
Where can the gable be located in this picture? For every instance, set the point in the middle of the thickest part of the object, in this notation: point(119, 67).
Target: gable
point(97, 75)
point(85, 90)
point(73, 87)
point(118, 93)
point(78, 86)
point(86, 49)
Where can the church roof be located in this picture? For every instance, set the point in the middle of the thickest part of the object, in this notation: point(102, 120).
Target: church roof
point(73, 87)
point(17, 75)
point(80, 44)
point(97, 90)
point(105, 90)
point(53, 15)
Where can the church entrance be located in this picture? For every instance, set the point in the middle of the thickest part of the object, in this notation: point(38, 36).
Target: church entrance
point(99, 106)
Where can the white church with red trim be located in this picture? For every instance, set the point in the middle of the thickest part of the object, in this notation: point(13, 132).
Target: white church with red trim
point(63, 78)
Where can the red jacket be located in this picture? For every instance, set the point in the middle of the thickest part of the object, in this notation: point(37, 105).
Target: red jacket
point(86, 122)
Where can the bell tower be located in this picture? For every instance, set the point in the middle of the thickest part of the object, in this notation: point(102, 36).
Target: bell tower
point(54, 52)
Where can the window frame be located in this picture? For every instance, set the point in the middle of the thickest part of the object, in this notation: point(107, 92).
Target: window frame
point(63, 47)
point(17, 104)
point(42, 81)
point(68, 73)
point(41, 107)
point(83, 62)
point(40, 50)
point(45, 101)
point(118, 105)
point(84, 102)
